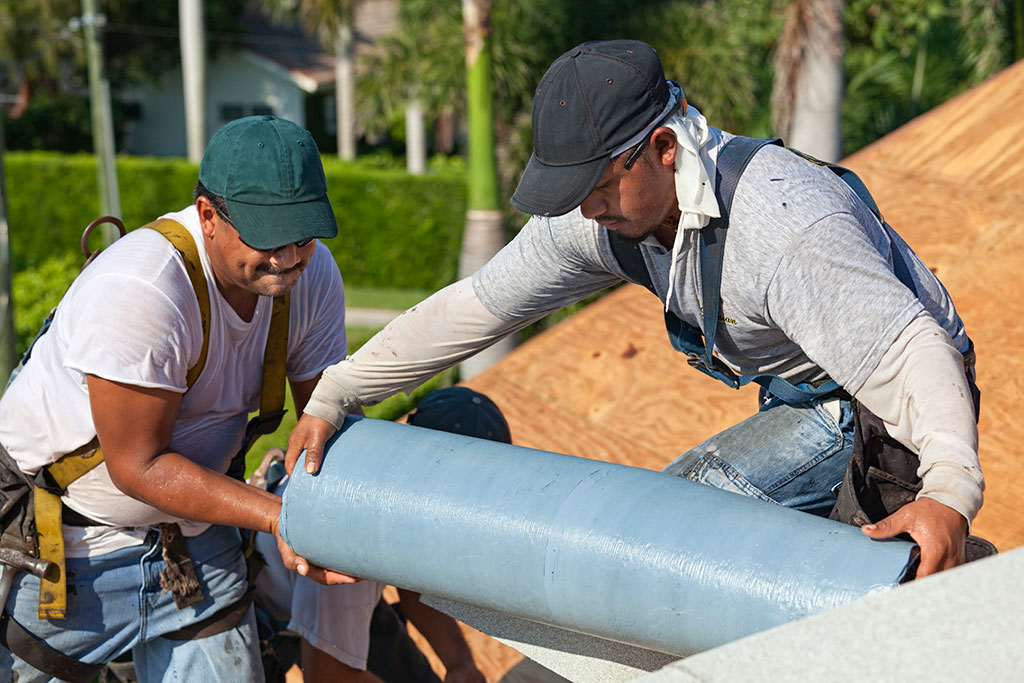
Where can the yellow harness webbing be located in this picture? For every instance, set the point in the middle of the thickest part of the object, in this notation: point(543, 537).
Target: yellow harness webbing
point(182, 240)
point(274, 355)
point(53, 594)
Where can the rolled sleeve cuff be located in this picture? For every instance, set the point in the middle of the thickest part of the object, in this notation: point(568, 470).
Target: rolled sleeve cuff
point(956, 486)
point(330, 401)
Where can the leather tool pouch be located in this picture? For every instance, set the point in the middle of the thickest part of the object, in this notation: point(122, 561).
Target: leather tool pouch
point(17, 514)
point(881, 476)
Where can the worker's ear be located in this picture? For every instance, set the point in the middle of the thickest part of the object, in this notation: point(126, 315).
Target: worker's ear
point(665, 145)
point(206, 215)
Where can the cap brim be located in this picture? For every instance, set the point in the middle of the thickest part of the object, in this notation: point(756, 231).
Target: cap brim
point(269, 226)
point(556, 190)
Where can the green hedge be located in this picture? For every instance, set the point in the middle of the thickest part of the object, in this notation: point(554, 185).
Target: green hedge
point(395, 230)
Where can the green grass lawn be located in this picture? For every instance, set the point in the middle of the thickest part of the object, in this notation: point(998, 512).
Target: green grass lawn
point(379, 297)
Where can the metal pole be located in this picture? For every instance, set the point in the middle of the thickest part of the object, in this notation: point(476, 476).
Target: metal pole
point(102, 120)
point(193, 69)
point(8, 355)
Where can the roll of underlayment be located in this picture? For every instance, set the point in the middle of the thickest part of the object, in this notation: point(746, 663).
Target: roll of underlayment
point(618, 552)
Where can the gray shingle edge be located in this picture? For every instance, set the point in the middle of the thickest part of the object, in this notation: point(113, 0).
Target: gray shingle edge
point(577, 657)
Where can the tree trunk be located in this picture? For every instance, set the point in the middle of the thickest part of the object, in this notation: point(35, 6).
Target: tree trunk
point(807, 93)
point(415, 138)
point(192, 34)
point(484, 235)
point(345, 97)
point(444, 133)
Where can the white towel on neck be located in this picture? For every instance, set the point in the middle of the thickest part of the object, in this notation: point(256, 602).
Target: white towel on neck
point(694, 177)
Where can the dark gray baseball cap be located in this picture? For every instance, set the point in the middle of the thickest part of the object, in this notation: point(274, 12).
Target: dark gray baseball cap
point(591, 100)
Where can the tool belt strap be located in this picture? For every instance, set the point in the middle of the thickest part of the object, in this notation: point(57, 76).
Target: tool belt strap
point(50, 484)
point(43, 657)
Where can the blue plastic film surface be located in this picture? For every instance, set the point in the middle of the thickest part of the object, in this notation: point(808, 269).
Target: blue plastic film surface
point(624, 553)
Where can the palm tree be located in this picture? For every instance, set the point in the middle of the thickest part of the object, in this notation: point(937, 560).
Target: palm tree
point(332, 21)
point(807, 93)
point(484, 235)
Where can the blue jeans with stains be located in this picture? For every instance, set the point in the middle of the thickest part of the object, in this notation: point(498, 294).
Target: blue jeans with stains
point(115, 604)
point(793, 455)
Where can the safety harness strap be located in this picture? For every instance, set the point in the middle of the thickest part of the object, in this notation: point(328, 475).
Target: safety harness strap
point(182, 240)
point(690, 340)
point(50, 484)
point(275, 353)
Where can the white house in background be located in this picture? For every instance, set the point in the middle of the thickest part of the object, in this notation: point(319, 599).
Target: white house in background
point(238, 83)
point(271, 70)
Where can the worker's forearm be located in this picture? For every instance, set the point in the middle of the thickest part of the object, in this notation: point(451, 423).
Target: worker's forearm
point(174, 484)
point(434, 335)
point(921, 393)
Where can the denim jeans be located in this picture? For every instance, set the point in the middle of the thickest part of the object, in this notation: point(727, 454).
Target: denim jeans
point(793, 455)
point(115, 604)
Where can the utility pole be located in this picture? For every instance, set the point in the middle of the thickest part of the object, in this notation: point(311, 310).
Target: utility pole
point(8, 355)
point(102, 119)
point(192, 33)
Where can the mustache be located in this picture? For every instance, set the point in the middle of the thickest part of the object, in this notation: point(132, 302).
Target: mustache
point(605, 219)
point(268, 269)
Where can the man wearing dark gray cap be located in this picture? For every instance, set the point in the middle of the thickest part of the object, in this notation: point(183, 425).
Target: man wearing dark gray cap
point(812, 296)
point(155, 357)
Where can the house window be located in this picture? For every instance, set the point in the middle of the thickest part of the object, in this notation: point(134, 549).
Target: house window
point(132, 111)
point(330, 116)
point(230, 112)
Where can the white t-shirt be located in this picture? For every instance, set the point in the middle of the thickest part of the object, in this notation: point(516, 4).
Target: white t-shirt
point(132, 317)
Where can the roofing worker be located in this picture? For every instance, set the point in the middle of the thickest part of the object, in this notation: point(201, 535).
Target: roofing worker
point(158, 350)
point(814, 290)
point(350, 633)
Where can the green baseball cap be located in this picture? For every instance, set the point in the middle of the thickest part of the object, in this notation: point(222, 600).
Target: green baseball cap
point(269, 173)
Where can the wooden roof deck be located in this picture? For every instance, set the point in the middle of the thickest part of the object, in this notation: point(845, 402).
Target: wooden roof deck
point(605, 384)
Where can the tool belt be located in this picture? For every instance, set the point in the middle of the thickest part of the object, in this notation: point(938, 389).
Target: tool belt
point(17, 495)
point(178, 576)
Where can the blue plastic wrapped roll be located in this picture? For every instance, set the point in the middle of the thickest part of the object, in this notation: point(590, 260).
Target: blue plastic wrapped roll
point(618, 552)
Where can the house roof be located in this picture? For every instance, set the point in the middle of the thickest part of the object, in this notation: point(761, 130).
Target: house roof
point(301, 55)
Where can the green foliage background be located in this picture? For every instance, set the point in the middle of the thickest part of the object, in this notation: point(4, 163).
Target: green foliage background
point(394, 230)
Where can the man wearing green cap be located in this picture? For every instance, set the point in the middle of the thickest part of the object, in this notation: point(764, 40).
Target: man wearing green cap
point(809, 293)
point(117, 363)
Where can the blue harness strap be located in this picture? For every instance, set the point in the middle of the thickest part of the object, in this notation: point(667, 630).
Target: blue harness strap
point(698, 346)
